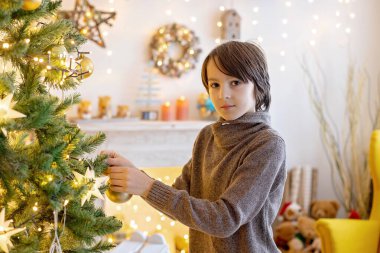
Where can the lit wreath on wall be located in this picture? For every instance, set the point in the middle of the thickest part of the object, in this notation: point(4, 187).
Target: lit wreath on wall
point(174, 35)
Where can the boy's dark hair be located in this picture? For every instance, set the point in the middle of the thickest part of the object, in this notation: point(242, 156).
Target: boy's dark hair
point(246, 61)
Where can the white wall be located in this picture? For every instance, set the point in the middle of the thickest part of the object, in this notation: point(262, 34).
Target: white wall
point(291, 112)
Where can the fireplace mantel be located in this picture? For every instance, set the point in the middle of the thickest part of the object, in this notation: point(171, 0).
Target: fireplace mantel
point(147, 143)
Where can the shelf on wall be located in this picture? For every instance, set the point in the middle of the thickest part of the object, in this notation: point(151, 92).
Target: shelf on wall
point(138, 125)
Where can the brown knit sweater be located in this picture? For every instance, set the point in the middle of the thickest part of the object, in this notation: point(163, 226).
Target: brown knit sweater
point(230, 191)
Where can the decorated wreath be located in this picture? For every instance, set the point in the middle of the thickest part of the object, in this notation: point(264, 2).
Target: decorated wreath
point(174, 35)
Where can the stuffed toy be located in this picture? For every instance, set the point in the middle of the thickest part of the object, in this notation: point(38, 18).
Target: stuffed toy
point(306, 240)
point(290, 212)
point(123, 111)
point(104, 107)
point(324, 209)
point(283, 233)
point(84, 109)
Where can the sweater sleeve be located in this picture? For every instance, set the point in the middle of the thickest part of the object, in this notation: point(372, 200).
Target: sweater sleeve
point(183, 181)
point(242, 200)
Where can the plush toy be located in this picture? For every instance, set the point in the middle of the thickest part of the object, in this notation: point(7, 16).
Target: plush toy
point(104, 107)
point(324, 209)
point(290, 212)
point(306, 240)
point(284, 233)
point(123, 111)
point(84, 109)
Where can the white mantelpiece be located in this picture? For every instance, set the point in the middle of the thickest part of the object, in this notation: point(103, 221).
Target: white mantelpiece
point(148, 143)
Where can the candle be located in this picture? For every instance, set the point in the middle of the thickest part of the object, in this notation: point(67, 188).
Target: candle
point(166, 112)
point(182, 108)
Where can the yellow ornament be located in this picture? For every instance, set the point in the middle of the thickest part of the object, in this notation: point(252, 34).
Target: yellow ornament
point(118, 197)
point(181, 244)
point(30, 5)
point(85, 66)
point(58, 55)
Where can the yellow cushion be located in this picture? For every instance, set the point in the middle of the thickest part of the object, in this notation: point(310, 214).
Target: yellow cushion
point(348, 236)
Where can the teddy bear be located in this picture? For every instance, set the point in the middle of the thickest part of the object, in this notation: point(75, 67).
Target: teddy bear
point(283, 233)
point(290, 211)
point(324, 209)
point(84, 109)
point(306, 240)
point(123, 111)
point(104, 107)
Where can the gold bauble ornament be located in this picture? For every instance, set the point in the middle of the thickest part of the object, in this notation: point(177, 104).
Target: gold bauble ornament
point(118, 197)
point(58, 55)
point(85, 65)
point(181, 244)
point(30, 5)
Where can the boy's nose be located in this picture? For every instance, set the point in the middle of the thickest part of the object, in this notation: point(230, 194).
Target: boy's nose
point(225, 93)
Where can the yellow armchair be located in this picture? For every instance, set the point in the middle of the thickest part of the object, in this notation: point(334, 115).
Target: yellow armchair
point(356, 236)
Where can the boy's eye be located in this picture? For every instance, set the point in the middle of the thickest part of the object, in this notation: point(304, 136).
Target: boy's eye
point(214, 85)
point(235, 82)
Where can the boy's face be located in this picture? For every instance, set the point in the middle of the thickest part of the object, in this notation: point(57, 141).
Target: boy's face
point(231, 97)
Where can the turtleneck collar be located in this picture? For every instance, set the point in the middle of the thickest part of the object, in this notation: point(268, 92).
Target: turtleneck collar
point(228, 133)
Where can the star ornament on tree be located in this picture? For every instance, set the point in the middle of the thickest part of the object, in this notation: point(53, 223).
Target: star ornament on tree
point(6, 232)
point(86, 178)
point(6, 111)
point(87, 20)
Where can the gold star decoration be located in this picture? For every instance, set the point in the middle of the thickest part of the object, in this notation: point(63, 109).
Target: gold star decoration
point(86, 178)
point(87, 20)
point(6, 232)
point(6, 112)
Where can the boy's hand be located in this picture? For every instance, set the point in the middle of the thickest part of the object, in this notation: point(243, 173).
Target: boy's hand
point(126, 177)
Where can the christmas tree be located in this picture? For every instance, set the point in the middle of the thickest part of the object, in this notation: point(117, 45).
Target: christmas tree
point(47, 183)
